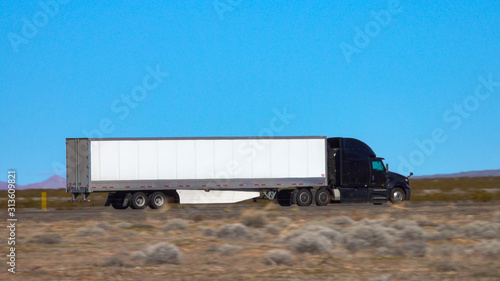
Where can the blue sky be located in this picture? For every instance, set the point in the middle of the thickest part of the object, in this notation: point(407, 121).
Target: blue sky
point(393, 74)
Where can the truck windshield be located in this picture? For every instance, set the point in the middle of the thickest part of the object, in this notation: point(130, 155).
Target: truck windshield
point(378, 165)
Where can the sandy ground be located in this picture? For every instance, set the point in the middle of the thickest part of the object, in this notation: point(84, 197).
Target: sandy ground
point(239, 242)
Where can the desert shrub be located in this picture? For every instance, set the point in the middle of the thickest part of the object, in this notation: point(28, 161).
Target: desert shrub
point(482, 229)
point(272, 229)
point(385, 277)
point(446, 266)
point(392, 250)
point(208, 231)
point(234, 231)
point(310, 243)
point(138, 255)
point(354, 244)
point(175, 224)
point(314, 229)
point(113, 261)
point(415, 248)
point(369, 222)
point(90, 230)
point(228, 250)
point(404, 223)
point(446, 251)
point(104, 225)
point(412, 233)
point(279, 257)
point(254, 219)
point(123, 224)
point(448, 231)
point(374, 235)
point(341, 221)
point(47, 239)
point(488, 248)
point(284, 221)
point(163, 252)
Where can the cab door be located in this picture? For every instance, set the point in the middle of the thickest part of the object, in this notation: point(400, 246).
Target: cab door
point(378, 174)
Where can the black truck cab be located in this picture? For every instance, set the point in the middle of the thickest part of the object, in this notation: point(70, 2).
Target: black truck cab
point(360, 176)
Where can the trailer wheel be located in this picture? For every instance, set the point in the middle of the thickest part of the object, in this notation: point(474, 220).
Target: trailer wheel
point(139, 200)
point(157, 200)
point(322, 197)
point(397, 195)
point(304, 197)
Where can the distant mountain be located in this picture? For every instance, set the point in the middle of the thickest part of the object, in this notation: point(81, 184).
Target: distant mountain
point(471, 174)
point(52, 182)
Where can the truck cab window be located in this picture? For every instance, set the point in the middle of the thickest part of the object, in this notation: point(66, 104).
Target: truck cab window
point(378, 165)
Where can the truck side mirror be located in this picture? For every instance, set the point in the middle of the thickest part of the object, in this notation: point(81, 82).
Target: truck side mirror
point(387, 167)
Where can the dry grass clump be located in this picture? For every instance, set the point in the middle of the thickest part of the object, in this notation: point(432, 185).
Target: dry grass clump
point(90, 230)
point(46, 238)
point(489, 249)
point(341, 221)
point(104, 225)
point(208, 231)
point(310, 243)
point(254, 219)
point(161, 253)
point(123, 224)
point(315, 229)
point(279, 257)
point(404, 223)
point(415, 248)
point(449, 231)
point(113, 261)
point(482, 229)
point(226, 249)
point(412, 233)
point(234, 231)
point(176, 224)
point(374, 235)
point(272, 229)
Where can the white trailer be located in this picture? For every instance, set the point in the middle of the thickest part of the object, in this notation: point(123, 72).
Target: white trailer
point(138, 172)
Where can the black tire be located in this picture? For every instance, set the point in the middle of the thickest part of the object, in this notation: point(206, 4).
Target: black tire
point(117, 202)
point(377, 204)
point(157, 200)
point(304, 197)
point(284, 198)
point(139, 200)
point(397, 195)
point(322, 197)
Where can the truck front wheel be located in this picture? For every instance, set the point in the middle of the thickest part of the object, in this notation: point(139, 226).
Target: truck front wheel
point(139, 200)
point(304, 197)
point(397, 195)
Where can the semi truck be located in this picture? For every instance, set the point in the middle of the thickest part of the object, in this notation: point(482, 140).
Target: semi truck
point(142, 172)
